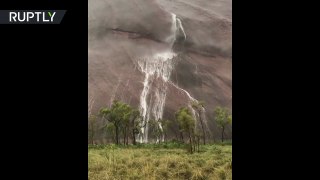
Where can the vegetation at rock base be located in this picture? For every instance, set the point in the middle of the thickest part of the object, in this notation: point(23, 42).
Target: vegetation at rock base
point(199, 106)
point(187, 125)
point(223, 118)
point(122, 119)
point(185, 158)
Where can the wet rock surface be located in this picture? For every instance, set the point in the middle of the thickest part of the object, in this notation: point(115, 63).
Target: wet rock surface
point(122, 32)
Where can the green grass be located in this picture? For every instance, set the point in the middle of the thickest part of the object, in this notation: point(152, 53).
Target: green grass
point(164, 161)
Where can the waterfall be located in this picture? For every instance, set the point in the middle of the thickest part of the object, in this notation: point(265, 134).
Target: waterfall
point(172, 37)
point(193, 100)
point(181, 28)
point(157, 71)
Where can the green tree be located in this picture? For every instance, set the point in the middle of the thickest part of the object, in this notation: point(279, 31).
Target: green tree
point(124, 126)
point(197, 137)
point(135, 121)
point(223, 118)
point(118, 115)
point(198, 107)
point(159, 128)
point(155, 129)
point(187, 125)
point(165, 123)
point(111, 130)
point(92, 127)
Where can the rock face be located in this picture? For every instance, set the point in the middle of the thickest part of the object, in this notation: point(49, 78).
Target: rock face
point(158, 55)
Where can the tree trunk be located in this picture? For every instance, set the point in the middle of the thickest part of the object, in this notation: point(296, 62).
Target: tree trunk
point(203, 131)
point(190, 142)
point(222, 134)
point(133, 137)
point(176, 135)
point(124, 137)
point(127, 136)
point(181, 136)
point(198, 142)
point(117, 135)
point(194, 144)
point(92, 135)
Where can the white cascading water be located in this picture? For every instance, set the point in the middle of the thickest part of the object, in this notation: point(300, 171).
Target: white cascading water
point(181, 28)
point(157, 70)
point(193, 100)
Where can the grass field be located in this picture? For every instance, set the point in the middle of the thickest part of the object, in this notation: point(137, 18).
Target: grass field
point(166, 161)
